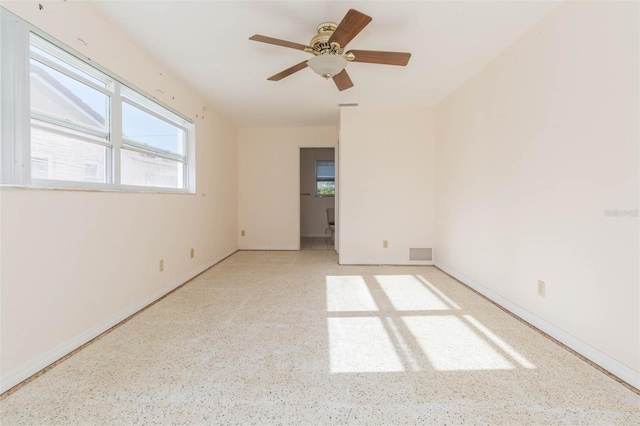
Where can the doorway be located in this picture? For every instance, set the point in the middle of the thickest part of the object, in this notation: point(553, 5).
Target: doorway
point(317, 198)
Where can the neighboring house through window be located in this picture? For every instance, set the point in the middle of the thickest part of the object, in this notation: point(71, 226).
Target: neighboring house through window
point(87, 128)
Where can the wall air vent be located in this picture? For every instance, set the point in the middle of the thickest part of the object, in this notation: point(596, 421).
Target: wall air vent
point(348, 105)
point(422, 254)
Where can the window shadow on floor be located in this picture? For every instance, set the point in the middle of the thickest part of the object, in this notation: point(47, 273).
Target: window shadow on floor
point(403, 323)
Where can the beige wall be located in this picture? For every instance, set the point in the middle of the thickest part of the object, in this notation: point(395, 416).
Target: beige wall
point(269, 183)
point(530, 154)
point(75, 263)
point(386, 183)
point(313, 210)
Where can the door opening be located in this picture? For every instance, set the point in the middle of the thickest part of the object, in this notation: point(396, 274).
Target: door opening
point(317, 198)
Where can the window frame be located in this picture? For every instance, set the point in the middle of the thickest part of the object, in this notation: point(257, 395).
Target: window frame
point(15, 151)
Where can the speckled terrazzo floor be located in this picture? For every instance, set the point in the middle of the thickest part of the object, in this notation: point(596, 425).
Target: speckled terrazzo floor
point(316, 243)
point(293, 338)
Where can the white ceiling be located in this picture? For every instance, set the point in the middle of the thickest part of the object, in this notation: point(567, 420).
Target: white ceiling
point(207, 44)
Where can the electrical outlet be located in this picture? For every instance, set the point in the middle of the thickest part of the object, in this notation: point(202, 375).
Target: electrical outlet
point(385, 244)
point(242, 233)
point(193, 252)
point(161, 265)
point(541, 288)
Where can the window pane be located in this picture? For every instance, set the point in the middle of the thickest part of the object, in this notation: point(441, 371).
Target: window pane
point(64, 157)
point(151, 131)
point(67, 66)
point(57, 94)
point(326, 187)
point(149, 170)
point(325, 170)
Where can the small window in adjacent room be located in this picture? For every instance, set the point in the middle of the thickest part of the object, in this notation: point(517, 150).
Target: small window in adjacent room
point(325, 178)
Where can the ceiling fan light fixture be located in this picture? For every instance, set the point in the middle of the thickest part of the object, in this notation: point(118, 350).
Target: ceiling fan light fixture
point(329, 46)
point(327, 65)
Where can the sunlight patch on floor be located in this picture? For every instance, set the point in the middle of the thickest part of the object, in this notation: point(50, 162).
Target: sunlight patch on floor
point(406, 293)
point(437, 292)
point(349, 294)
point(361, 345)
point(501, 344)
point(450, 344)
point(396, 323)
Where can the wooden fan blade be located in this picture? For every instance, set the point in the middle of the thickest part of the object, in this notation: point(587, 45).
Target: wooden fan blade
point(342, 80)
point(352, 23)
point(286, 73)
point(277, 42)
point(385, 58)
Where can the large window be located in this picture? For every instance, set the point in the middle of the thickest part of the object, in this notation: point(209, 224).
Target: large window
point(325, 178)
point(86, 128)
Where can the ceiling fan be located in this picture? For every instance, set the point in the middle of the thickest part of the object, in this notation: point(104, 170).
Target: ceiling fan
point(328, 48)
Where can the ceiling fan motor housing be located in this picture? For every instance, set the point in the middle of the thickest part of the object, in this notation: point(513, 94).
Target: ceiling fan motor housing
point(319, 44)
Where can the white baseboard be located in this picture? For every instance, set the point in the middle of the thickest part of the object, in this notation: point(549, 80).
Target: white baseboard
point(402, 262)
point(30, 368)
point(615, 367)
point(316, 236)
